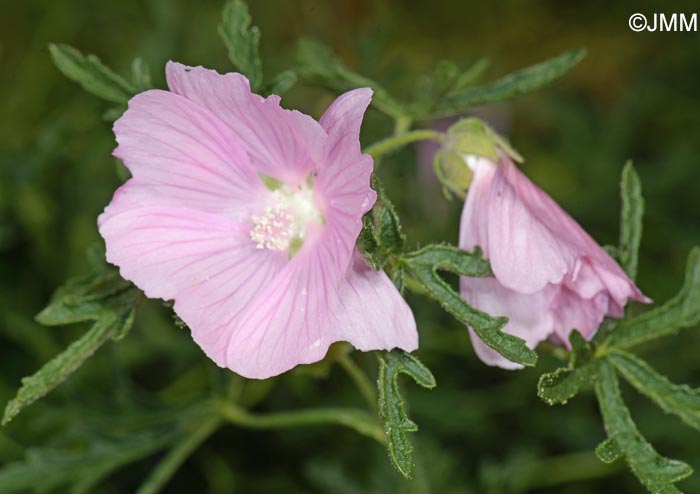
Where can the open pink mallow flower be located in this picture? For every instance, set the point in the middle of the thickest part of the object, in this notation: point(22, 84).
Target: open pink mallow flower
point(550, 276)
point(246, 215)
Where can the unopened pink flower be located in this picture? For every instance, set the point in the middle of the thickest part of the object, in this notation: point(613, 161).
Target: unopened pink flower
point(246, 215)
point(550, 276)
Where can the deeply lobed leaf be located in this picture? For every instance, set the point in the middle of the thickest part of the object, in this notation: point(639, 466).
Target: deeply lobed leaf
point(515, 84)
point(656, 472)
point(84, 298)
point(104, 298)
point(381, 236)
point(631, 220)
point(682, 311)
point(57, 370)
point(91, 74)
point(424, 265)
point(242, 41)
point(317, 64)
point(560, 386)
point(392, 408)
point(83, 458)
point(680, 400)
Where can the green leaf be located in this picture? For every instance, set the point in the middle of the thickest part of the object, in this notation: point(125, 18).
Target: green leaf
point(582, 352)
point(281, 83)
point(444, 76)
point(318, 65)
point(242, 41)
point(471, 74)
point(682, 311)
point(392, 408)
point(368, 245)
point(450, 258)
point(81, 463)
point(521, 82)
point(656, 472)
point(381, 236)
point(141, 74)
point(102, 297)
point(424, 265)
point(560, 386)
point(91, 74)
point(446, 79)
point(388, 227)
point(112, 115)
point(631, 220)
point(680, 400)
point(84, 298)
point(63, 365)
point(608, 451)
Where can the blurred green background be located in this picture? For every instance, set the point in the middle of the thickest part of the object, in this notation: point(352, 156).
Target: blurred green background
point(483, 430)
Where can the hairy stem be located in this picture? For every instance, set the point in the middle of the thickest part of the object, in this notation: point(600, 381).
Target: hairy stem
point(167, 467)
point(359, 420)
point(393, 143)
point(363, 384)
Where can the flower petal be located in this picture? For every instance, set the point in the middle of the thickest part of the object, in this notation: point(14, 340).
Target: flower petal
point(536, 242)
point(167, 249)
point(296, 318)
point(528, 315)
point(474, 230)
point(284, 144)
point(571, 312)
point(525, 254)
point(342, 121)
point(343, 180)
point(184, 154)
point(371, 313)
point(203, 261)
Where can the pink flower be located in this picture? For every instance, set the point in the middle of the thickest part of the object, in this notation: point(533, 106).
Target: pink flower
point(246, 215)
point(550, 276)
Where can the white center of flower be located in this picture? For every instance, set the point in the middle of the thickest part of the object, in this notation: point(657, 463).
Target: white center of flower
point(282, 224)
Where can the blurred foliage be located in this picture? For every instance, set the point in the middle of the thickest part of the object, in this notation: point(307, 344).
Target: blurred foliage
point(483, 430)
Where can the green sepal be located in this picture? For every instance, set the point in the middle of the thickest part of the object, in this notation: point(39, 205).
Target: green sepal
point(468, 137)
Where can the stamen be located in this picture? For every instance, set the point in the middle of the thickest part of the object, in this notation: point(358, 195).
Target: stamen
point(282, 224)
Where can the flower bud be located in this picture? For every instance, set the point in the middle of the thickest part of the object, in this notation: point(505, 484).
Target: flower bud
point(468, 137)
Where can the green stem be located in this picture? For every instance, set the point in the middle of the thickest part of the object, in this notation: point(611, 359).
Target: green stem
point(359, 420)
point(167, 467)
point(402, 124)
point(393, 143)
point(564, 469)
point(363, 384)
